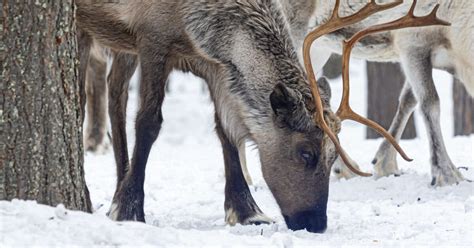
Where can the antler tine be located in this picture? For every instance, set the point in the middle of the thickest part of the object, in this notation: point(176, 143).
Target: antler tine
point(336, 23)
point(409, 20)
point(335, 11)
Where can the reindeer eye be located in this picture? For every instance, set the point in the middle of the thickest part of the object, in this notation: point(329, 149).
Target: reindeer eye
point(308, 157)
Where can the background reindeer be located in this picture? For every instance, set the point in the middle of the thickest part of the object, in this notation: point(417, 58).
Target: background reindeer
point(418, 50)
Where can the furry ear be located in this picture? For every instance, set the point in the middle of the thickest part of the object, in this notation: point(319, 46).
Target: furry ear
point(283, 100)
point(289, 108)
point(325, 91)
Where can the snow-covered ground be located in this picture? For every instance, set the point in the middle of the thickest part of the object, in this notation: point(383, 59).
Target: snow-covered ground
point(185, 190)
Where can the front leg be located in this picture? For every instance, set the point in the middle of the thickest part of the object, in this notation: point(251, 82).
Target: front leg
point(341, 170)
point(240, 207)
point(385, 160)
point(129, 196)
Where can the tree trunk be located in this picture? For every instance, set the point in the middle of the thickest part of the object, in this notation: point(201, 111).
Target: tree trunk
point(41, 150)
point(333, 67)
point(463, 106)
point(385, 82)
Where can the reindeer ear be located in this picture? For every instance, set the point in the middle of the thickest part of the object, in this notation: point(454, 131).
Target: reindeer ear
point(283, 100)
point(324, 91)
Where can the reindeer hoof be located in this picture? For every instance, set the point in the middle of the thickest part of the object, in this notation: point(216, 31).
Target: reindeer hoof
point(232, 218)
point(445, 176)
point(128, 203)
point(341, 171)
point(385, 165)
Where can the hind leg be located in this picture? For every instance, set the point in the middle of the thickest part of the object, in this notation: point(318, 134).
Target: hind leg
point(240, 207)
point(123, 68)
point(84, 43)
point(385, 160)
point(418, 67)
point(129, 196)
point(96, 105)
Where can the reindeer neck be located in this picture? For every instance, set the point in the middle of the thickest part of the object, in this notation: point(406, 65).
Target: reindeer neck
point(259, 61)
point(253, 40)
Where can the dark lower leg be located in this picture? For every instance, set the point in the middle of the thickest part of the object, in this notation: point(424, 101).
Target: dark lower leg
point(129, 197)
point(239, 204)
point(123, 68)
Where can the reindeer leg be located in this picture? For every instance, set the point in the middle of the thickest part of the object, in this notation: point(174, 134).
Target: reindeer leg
point(385, 160)
point(96, 105)
point(84, 42)
point(123, 68)
point(418, 68)
point(129, 197)
point(240, 207)
point(340, 169)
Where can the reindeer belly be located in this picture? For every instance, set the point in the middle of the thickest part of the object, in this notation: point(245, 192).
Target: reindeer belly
point(376, 47)
point(441, 59)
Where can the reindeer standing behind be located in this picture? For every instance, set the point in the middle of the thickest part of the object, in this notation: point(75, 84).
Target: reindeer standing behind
point(450, 48)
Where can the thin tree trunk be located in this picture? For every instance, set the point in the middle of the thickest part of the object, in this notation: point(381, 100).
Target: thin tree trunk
point(463, 110)
point(41, 148)
point(333, 67)
point(385, 82)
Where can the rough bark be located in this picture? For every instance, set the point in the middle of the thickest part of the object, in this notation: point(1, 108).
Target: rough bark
point(463, 110)
point(41, 147)
point(385, 82)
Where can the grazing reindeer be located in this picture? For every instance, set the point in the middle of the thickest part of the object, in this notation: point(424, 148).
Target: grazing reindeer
point(418, 50)
point(244, 50)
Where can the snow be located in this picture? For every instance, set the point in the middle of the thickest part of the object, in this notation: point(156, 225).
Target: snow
point(184, 190)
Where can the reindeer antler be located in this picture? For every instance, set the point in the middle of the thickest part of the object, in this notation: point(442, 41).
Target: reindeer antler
point(335, 23)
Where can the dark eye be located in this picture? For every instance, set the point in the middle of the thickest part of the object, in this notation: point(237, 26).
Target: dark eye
point(308, 157)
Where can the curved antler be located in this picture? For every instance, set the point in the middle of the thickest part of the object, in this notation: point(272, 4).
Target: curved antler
point(410, 20)
point(335, 23)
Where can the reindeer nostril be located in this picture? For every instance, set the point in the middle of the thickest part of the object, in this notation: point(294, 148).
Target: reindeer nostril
point(337, 171)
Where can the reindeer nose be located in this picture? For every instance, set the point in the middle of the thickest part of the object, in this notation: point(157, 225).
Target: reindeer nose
point(312, 221)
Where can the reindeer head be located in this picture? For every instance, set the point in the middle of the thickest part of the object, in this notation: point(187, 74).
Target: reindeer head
point(297, 161)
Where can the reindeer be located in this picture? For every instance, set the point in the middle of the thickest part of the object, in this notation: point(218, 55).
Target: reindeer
point(418, 50)
point(269, 102)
